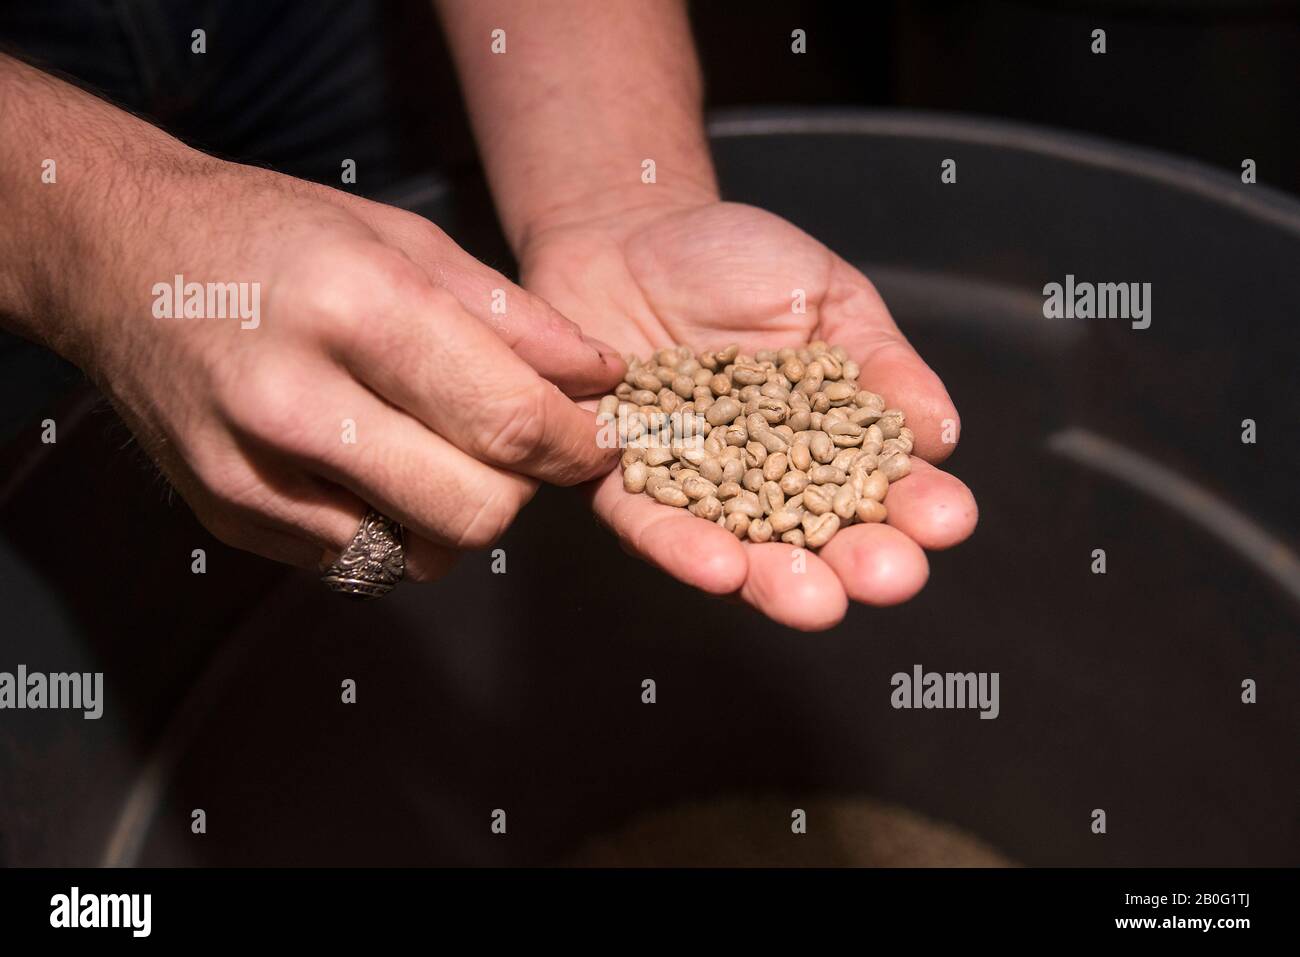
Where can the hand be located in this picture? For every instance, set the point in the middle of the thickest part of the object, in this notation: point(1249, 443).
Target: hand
point(707, 273)
point(377, 372)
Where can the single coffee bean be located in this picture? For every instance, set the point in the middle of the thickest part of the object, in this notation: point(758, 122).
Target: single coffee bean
point(658, 456)
point(645, 380)
point(670, 494)
point(728, 490)
point(800, 457)
point(743, 505)
point(819, 532)
point(760, 530)
point(775, 466)
point(864, 417)
point(794, 482)
point(896, 466)
point(782, 521)
point(869, 510)
point(798, 421)
point(792, 369)
point(753, 480)
point(876, 486)
point(634, 477)
point(708, 507)
point(771, 498)
point(827, 475)
point(817, 501)
point(821, 447)
point(697, 488)
point(774, 411)
point(711, 469)
point(869, 400)
point(838, 393)
point(738, 524)
point(794, 537)
point(832, 366)
point(733, 470)
point(722, 412)
point(891, 423)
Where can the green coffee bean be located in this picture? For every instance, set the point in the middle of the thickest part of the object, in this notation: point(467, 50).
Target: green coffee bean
point(670, 494)
point(869, 510)
point(789, 445)
point(775, 466)
point(896, 466)
point(820, 530)
point(793, 482)
point(634, 477)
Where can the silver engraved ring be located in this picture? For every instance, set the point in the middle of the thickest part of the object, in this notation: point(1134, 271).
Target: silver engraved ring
point(373, 563)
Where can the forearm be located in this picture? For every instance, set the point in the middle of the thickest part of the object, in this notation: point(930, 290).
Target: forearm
point(83, 187)
point(586, 91)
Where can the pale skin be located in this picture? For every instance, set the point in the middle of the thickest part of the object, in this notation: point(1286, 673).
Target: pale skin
point(584, 93)
point(374, 318)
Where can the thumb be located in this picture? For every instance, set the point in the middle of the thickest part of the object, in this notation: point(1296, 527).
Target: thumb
point(535, 330)
point(552, 344)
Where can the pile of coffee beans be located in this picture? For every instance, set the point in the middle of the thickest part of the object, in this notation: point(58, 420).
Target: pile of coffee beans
point(782, 445)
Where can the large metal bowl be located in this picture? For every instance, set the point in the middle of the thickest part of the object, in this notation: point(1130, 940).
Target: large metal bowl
point(521, 691)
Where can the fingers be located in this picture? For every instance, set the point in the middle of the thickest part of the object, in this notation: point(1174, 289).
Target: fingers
point(794, 586)
point(538, 334)
point(425, 354)
point(931, 507)
point(253, 503)
point(332, 426)
point(690, 549)
point(854, 315)
point(877, 564)
point(326, 518)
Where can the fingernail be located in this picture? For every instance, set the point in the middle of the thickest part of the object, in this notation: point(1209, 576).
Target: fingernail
point(604, 348)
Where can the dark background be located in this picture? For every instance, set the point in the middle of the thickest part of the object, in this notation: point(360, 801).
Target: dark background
point(1217, 81)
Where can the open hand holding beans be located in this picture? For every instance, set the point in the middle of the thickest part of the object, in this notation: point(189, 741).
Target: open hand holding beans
point(783, 445)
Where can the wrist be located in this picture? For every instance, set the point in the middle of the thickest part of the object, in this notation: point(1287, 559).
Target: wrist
point(614, 203)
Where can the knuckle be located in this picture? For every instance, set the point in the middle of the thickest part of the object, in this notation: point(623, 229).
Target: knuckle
point(513, 426)
point(361, 286)
point(272, 408)
point(488, 522)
